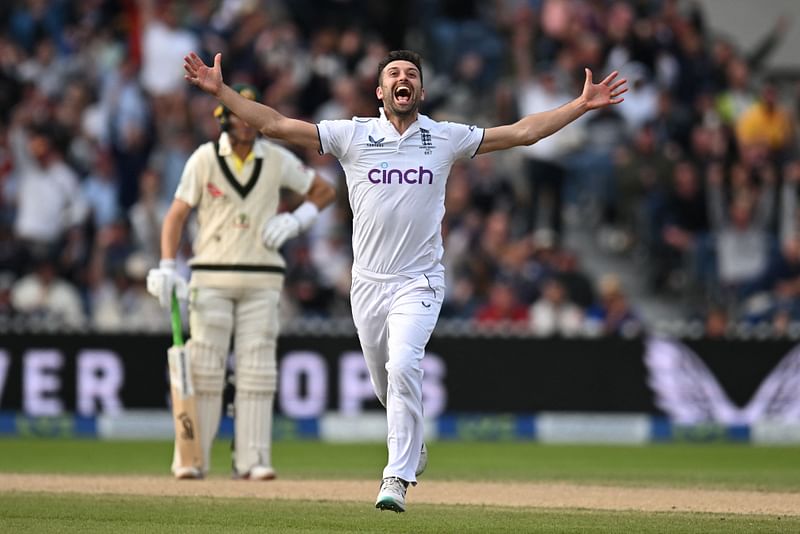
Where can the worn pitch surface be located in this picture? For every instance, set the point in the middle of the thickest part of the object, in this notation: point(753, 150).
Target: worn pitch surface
point(514, 494)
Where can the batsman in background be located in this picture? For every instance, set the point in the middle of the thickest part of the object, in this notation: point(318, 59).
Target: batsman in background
point(234, 183)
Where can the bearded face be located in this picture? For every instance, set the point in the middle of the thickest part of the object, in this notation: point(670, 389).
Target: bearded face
point(401, 88)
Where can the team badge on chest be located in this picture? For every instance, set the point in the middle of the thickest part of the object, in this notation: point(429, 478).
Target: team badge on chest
point(427, 143)
point(242, 221)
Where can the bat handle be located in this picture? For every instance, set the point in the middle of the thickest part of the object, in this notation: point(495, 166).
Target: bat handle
point(177, 327)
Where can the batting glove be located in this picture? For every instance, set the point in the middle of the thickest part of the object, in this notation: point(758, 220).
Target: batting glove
point(161, 282)
point(284, 226)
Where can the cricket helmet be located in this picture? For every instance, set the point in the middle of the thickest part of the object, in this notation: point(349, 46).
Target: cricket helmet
point(223, 114)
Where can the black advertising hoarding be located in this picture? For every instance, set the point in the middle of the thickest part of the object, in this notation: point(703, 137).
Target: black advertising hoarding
point(88, 374)
point(532, 375)
point(48, 375)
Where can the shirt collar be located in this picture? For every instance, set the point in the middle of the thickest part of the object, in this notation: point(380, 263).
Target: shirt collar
point(225, 148)
point(423, 121)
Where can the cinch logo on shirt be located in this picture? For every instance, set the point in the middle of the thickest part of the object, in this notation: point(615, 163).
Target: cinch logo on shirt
point(385, 175)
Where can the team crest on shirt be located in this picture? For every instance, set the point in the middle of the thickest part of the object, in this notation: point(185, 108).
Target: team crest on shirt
point(242, 221)
point(427, 143)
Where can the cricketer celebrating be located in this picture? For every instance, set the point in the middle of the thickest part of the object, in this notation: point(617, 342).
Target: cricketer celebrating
point(234, 184)
point(396, 168)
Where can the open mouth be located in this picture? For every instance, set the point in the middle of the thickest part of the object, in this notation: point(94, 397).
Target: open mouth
point(402, 94)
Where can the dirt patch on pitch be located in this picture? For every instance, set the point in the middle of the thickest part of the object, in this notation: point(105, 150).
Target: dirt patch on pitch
point(533, 495)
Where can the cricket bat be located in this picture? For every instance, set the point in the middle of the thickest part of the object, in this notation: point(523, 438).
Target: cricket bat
point(188, 460)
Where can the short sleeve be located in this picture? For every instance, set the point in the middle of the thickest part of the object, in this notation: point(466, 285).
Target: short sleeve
point(190, 187)
point(294, 173)
point(465, 140)
point(335, 137)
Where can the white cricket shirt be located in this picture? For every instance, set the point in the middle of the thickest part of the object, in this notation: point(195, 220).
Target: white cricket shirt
point(396, 186)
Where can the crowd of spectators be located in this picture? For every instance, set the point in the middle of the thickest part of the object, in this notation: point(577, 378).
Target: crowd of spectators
point(694, 176)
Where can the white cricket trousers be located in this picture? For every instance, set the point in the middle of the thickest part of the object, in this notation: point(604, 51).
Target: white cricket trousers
point(394, 319)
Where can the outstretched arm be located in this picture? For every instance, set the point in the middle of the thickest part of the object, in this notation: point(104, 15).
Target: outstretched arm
point(268, 121)
point(536, 126)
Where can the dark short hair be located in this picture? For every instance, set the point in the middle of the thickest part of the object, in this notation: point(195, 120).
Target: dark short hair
point(55, 133)
point(400, 55)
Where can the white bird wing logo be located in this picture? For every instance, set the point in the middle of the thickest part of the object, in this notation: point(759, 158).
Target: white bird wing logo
point(685, 388)
point(778, 396)
point(687, 391)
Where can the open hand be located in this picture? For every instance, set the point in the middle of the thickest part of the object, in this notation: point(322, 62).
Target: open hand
point(209, 79)
point(605, 93)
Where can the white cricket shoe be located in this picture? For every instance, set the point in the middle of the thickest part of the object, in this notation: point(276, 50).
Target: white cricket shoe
point(423, 460)
point(392, 495)
point(261, 472)
point(187, 473)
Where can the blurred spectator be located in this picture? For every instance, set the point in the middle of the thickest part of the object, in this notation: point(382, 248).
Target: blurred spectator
point(778, 298)
point(576, 282)
point(544, 159)
point(641, 102)
point(303, 284)
point(457, 28)
point(789, 224)
point(553, 313)
point(169, 159)
point(502, 308)
point(694, 62)
point(147, 214)
point(591, 188)
point(743, 241)
point(643, 171)
point(9, 251)
point(7, 184)
point(6, 305)
point(44, 69)
point(739, 95)
point(673, 121)
point(33, 18)
point(348, 101)
point(766, 124)
point(101, 191)
point(786, 276)
point(49, 200)
point(612, 314)
point(460, 301)
point(483, 257)
point(43, 296)
point(716, 323)
point(121, 302)
point(490, 189)
point(127, 111)
point(164, 45)
point(112, 247)
point(682, 248)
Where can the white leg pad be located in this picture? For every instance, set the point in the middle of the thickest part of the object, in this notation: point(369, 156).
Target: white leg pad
point(208, 373)
point(256, 380)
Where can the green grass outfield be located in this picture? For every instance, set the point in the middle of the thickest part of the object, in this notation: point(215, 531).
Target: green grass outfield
point(708, 466)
